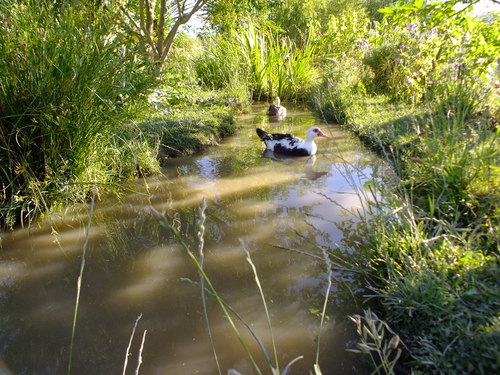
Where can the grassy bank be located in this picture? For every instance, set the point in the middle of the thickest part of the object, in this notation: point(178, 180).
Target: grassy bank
point(428, 243)
point(431, 241)
point(189, 128)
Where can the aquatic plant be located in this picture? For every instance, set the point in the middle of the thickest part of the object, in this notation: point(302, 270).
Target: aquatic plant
point(259, 60)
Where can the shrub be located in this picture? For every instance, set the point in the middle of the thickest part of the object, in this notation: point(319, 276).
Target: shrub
point(424, 44)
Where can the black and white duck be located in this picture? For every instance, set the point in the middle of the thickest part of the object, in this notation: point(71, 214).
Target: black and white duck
point(288, 144)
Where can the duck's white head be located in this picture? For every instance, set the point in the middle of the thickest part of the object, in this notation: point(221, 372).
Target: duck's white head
point(314, 132)
point(278, 101)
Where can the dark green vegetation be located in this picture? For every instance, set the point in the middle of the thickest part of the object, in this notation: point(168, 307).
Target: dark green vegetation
point(66, 83)
point(83, 100)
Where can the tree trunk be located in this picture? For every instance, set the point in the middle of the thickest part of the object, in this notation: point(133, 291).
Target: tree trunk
point(151, 27)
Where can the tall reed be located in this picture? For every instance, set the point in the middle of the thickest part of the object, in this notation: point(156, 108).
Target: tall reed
point(68, 80)
point(80, 278)
point(229, 313)
point(165, 222)
point(266, 62)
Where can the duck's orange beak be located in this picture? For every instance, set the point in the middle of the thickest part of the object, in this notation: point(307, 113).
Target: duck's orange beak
point(321, 134)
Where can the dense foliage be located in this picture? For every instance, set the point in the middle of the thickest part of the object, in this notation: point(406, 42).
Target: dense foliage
point(67, 81)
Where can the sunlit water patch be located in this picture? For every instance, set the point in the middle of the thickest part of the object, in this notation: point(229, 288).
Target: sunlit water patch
point(281, 208)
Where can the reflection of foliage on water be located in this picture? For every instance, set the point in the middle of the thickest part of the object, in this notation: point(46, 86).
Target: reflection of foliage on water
point(237, 160)
point(35, 313)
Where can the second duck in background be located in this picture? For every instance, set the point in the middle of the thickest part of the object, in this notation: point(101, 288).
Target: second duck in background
point(277, 109)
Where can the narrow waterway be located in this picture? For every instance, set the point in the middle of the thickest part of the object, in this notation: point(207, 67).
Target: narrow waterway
point(282, 210)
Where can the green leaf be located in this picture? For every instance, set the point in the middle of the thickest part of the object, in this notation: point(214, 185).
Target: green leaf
point(387, 10)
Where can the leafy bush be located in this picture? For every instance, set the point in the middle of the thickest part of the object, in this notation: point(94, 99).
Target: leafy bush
point(421, 45)
point(402, 62)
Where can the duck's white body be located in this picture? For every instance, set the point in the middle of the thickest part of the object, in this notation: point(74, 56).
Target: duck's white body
point(287, 144)
point(277, 109)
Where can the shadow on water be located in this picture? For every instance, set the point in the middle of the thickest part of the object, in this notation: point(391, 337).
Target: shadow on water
point(135, 266)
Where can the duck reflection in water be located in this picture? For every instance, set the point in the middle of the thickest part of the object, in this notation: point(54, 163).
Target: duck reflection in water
point(311, 174)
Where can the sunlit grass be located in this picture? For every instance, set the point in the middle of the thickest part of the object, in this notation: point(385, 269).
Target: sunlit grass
point(260, 61)
point(431, 241)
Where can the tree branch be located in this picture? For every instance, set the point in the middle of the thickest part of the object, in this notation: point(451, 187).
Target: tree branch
point(161, 26)
point(141, 13)
point(150, 9)
point(182, 19)
point(150, 28)
point(139, 32)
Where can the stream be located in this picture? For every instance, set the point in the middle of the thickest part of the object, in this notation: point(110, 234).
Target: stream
point(282, 210)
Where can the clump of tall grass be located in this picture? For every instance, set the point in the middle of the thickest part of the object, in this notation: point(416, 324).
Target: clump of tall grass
point(219, 66)
point(68, 80)
point(453, 172)
point(259, 59)
point(127, 153)
point(277, 66)
point(338, 95)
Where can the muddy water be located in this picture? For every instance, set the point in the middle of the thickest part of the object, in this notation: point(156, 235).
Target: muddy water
point(135, 266)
